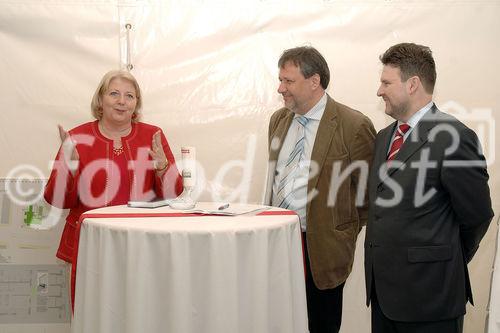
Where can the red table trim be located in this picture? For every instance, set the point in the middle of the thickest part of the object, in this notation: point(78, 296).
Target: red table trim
point(128, 215)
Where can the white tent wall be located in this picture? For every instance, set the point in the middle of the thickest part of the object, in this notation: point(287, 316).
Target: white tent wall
point(208, 71)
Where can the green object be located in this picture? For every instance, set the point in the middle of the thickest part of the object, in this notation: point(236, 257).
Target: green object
point(33, 216)
point(28, 215)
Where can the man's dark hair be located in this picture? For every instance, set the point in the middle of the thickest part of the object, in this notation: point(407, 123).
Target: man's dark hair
point(310, 62)
point(412, 60)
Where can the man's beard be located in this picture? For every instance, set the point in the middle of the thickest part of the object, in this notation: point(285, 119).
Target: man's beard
point(291, 104)
point(397, 111)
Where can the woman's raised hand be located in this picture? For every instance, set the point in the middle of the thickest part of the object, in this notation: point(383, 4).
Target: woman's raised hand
point(69, 149)
point(160, 161)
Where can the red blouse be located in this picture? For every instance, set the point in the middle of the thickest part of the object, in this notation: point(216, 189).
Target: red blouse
point(103, 179)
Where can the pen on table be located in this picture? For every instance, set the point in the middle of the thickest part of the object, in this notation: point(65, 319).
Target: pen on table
point(223, 207)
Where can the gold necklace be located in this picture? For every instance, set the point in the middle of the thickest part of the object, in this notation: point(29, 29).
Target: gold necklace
point(108, 132)
point(116, 150)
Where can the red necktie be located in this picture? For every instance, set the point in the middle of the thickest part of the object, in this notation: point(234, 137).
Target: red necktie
point(398, 140)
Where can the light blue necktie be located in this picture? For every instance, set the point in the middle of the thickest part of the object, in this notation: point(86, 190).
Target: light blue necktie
point(284, 194)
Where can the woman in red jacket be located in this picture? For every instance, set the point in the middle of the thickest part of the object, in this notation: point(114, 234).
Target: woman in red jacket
point(111, 160)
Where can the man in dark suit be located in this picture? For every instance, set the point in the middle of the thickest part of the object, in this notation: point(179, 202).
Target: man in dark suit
point(319, 152)
point(429, 204)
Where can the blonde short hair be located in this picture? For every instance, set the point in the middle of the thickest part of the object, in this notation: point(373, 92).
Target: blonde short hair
point(96, 104)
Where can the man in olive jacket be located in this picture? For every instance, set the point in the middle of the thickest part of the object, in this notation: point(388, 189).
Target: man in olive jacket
point(326, 185)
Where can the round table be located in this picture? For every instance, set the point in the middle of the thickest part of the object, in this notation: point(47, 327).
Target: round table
point(160, 270)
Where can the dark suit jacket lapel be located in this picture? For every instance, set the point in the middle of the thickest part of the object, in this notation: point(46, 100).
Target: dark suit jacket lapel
point(324, 138)
point(383, 147)
point(418, 137)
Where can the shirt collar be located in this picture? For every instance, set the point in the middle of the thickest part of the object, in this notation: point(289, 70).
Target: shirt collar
point(317, 110)
point(413, 121)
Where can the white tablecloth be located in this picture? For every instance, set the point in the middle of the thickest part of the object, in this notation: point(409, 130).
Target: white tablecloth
point(197, 274)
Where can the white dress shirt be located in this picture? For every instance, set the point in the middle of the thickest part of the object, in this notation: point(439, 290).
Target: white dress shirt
point(413, 121)
point(299, 188)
